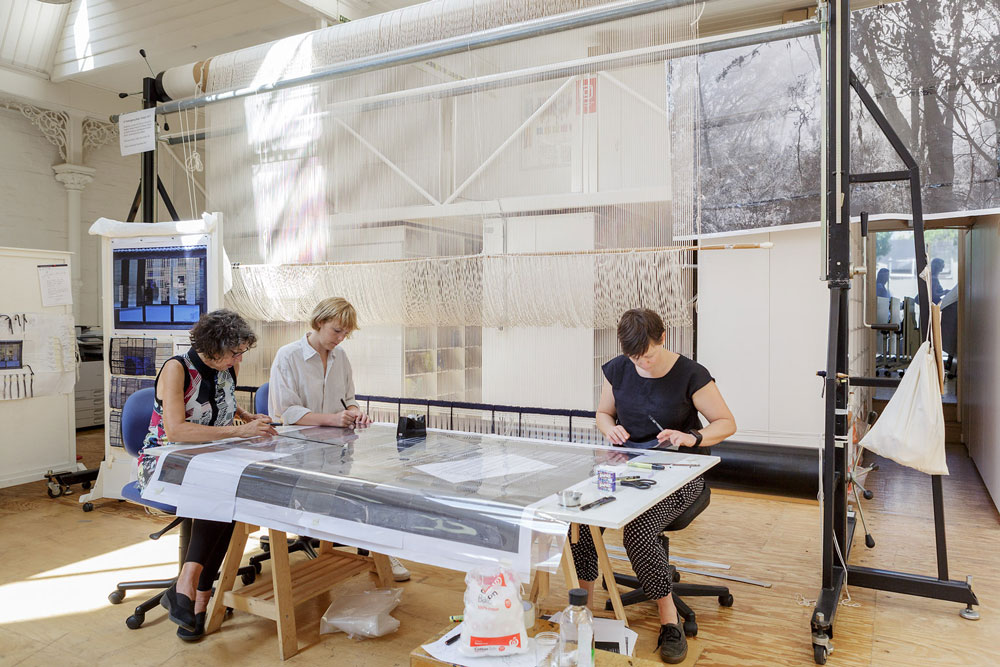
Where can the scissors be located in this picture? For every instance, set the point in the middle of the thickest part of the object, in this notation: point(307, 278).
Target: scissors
point(639, 483)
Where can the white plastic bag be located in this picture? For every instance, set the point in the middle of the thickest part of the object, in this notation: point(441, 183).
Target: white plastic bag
point(362, 615)
point(494, 615)
point(910, 430)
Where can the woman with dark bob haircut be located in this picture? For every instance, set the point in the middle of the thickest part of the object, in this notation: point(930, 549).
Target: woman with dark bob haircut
point(195, 401)
point(651, 398)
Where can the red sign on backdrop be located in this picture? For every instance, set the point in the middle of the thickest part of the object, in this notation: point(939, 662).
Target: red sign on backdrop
point(586, 95)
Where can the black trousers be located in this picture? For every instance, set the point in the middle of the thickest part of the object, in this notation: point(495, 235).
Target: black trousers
point(209, 541)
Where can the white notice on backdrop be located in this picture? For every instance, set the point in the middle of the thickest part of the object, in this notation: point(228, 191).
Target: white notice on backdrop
point(137, 131)
point(54, 281)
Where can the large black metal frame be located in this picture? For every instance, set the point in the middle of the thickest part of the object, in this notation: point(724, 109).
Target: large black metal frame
point(838, 527)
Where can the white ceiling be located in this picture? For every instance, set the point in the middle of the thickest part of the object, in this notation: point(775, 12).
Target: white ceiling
point(97, 42)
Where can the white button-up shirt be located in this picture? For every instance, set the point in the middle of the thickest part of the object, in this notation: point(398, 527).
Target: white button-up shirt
point(298, 385)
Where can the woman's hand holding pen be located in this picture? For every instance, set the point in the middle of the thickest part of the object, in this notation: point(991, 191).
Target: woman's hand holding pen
point(357, 417)
point(676, 438)
point(259, 426)
point(617, 435)
point(344, 419)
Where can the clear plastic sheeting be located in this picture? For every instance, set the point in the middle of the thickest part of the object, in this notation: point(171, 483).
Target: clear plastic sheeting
point(449, 499)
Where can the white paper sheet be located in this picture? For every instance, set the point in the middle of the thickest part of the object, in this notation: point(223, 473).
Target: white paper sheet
point(137, 131)
point(452, 655)
point(56, 285)
point(483, 467)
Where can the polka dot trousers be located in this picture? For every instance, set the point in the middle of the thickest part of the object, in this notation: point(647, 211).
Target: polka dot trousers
point(641, 538)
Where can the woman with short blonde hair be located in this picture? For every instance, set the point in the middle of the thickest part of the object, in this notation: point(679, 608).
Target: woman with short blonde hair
point(311, 379)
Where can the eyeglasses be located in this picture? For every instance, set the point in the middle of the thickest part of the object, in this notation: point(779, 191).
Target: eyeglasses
point(239, 353)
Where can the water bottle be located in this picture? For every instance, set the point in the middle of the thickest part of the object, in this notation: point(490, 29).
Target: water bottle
point(576, 632)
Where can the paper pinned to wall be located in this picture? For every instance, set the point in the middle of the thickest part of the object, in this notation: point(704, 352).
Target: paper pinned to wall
point(56, 285)
point(46, 363)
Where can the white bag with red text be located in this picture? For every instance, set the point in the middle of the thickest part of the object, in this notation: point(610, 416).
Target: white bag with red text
point(494, 616)
point(910, 430)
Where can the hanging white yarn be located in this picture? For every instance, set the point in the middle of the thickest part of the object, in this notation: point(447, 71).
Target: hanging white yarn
point(588, 290)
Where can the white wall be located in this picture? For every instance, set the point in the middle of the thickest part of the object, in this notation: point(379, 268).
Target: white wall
point(762, 332)
point(980, 350)
point(34, 204)
point(547, 366)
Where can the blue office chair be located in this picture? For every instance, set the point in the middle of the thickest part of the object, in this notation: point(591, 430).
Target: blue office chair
point(136, 413)
point(260, 399)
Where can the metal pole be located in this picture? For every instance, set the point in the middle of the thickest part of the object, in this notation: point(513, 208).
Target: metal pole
point(148, 182)
point(602, 63)
point(492, 37)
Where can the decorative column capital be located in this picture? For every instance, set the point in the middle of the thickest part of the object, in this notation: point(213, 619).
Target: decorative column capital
point(74, 176)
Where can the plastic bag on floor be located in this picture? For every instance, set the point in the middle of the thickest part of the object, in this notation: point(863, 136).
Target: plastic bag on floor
point(494, 615)
point(910, 430)
point(362, 615)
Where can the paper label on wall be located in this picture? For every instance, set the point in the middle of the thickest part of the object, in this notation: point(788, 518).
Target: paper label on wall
point(56, 285)
point(137, 131)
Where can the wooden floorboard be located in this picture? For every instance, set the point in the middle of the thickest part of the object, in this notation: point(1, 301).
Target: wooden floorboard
point(60, 563)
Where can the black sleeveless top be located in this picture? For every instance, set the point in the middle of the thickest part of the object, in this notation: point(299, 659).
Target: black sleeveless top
point(666, 399)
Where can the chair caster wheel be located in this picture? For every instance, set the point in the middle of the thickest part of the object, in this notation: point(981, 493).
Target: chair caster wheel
point(54, 490)
point(258, 567)
point(868, 495)
point(134, 622)
point(85, 486)
point(248, 578)
point(819, 654)
point(116, 596)
point(726, 600)
point(690, 629)
point(88, 507)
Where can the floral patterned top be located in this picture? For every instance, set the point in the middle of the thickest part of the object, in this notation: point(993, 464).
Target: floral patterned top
point(209, 399)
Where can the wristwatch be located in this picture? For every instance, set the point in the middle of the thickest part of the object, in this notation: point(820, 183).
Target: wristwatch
point(697, 437)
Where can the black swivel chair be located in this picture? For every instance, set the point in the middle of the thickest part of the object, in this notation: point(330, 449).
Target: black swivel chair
point(679, 589)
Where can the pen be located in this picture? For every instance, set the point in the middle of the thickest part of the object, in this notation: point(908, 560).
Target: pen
point(454, 638)
point(646, 466)
point(457, 618)
point(344, 403)
point(656, 423)
point(596, 503)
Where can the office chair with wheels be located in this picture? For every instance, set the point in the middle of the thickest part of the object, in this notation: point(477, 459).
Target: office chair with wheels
point(136, 414)
point(301, 543)
point(680, 589)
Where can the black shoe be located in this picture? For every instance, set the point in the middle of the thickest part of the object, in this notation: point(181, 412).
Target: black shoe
point(199, 629)
point(181, 608)
point(672, 643)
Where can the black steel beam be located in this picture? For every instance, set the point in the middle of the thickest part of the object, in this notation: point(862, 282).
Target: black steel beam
point(874, 382)
point(148, 183)
point(911, 584)
point(827, 603)
point(881, 177)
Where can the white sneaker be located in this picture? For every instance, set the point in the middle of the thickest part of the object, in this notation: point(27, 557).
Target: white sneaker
point(399, 571)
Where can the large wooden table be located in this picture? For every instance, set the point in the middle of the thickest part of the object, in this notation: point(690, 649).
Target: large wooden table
point(451, 500)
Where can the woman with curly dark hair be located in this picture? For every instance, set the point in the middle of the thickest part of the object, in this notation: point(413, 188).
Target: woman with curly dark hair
point(195, 401)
